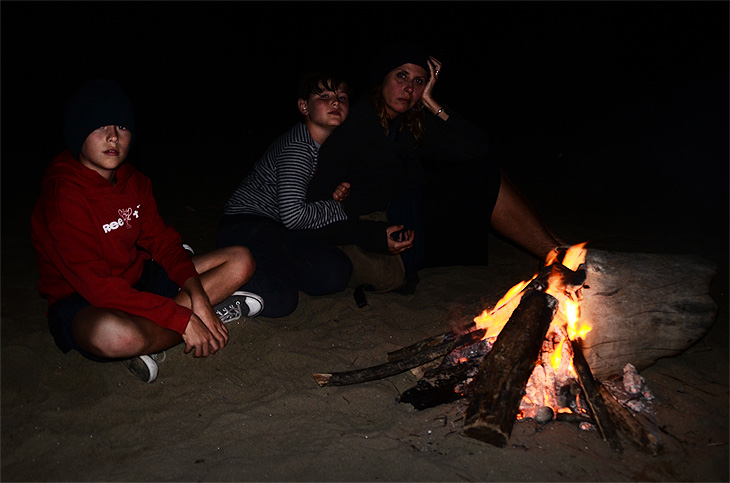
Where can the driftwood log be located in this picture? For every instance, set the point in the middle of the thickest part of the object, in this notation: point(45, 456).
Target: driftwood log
point(504, 371)
point(643, 307)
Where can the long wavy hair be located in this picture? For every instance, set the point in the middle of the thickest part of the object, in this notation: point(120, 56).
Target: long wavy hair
point(413, 119)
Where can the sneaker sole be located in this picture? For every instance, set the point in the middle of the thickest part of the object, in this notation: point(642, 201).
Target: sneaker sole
point(144, 367)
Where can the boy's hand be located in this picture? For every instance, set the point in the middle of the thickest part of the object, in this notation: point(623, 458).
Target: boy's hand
point(199, 339)
point(207, 314)
point(207, 332)
point(341, 192)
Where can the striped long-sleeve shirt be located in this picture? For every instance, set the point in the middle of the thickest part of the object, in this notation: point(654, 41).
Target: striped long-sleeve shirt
point(277, 186)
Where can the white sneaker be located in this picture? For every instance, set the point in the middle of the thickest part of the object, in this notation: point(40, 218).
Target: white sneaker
point(144, 367)
point(239, 304)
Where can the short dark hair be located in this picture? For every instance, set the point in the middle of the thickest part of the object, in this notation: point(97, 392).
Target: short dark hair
point(317, 82)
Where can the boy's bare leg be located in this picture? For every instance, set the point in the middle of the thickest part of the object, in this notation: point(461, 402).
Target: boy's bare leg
point(115, 334)
point(222, 272)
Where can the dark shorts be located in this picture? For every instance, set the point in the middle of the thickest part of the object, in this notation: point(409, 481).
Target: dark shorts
point(61, 314)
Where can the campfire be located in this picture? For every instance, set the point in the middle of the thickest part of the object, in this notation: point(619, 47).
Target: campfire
point(524, 358)
point(552, 383)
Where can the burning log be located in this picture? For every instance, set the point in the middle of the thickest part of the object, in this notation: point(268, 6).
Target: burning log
point(436, 348)
point(594, 397)
point(626, 294)
point(504, 371)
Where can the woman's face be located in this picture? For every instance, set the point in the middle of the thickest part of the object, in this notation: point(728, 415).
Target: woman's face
point(402, 88)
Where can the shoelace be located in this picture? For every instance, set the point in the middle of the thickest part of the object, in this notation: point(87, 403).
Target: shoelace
point(233, 311)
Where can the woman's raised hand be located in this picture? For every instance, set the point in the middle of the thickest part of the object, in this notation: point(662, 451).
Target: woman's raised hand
point(434, 66)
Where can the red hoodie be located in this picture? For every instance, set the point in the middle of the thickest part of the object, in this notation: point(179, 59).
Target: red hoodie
point(93, 237)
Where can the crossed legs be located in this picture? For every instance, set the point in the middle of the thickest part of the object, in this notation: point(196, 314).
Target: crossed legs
point(114, 334)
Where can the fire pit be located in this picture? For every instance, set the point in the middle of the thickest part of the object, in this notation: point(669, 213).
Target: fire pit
point(534, 354)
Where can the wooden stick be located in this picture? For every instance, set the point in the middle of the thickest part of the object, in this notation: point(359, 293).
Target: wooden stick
point(594, 398)
point(396, 367)
point(420, 346)
point(629, 425)
point(506, 368)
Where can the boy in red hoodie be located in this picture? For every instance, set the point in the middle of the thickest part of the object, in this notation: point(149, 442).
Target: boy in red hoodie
point(119, 283)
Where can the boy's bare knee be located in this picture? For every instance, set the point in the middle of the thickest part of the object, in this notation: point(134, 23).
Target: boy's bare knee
point(114, 335)
point(243, 260)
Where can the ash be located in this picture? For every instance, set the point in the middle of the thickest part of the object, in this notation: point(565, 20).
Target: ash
point(632, 391)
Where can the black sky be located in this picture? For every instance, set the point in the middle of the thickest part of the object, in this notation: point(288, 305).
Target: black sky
point(543, 78)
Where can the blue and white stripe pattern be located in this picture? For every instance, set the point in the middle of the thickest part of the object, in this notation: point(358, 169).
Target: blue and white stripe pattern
point(277, 186)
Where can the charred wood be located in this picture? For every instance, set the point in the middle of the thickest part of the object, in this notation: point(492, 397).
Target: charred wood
point(505, 370)
point(594, 398)
point(441, 385)
point(398, 366)
point(631, 427)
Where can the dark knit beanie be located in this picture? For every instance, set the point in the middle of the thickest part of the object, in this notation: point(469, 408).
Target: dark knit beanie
point(98, 103)
point(395, 55)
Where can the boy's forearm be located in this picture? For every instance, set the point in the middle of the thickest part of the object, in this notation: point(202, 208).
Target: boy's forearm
point(196, 294)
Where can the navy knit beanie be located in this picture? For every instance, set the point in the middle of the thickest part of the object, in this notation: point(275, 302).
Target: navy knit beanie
point(395, 55)
point(98, 103)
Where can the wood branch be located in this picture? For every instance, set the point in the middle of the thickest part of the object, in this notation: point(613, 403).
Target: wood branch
point(429, 342)
point(505, 370)
point(626, 294)
point(593, 396)
point(420, 346)
point(631, 427)
point(441, 385)
point(398, 366)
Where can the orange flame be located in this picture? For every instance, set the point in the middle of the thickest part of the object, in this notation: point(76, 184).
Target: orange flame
point(572, 312)
point(574, 256)
point(556, 356)
point(495, 319)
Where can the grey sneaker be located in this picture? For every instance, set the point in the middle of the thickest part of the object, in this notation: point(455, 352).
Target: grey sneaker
point(144, 367)
point(239, 304)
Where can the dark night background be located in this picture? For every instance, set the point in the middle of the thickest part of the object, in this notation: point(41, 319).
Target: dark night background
point(627, 96)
